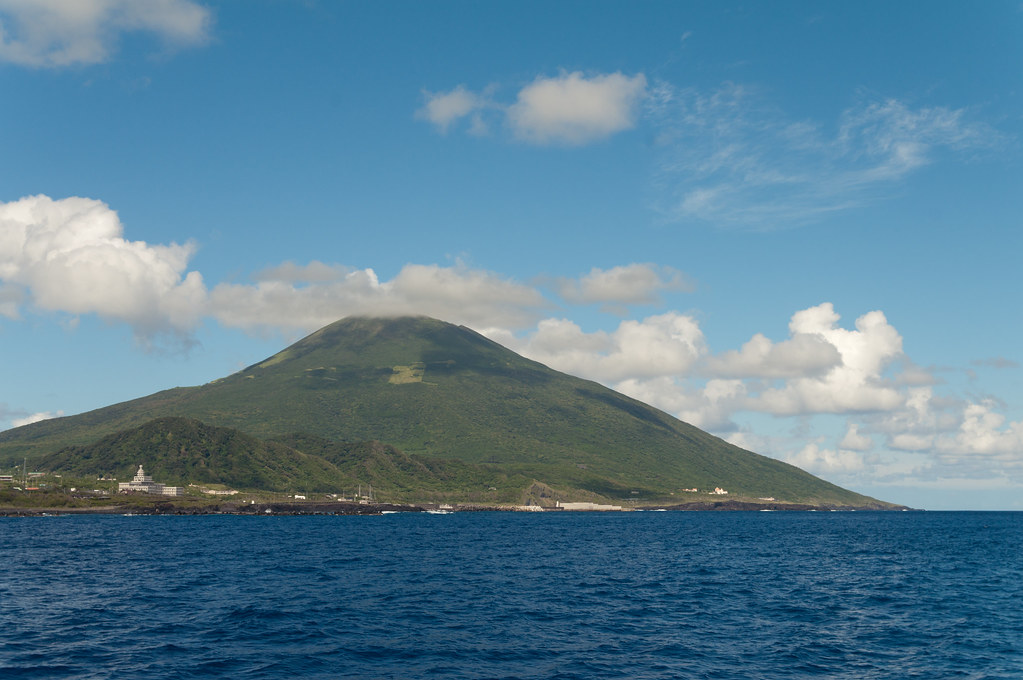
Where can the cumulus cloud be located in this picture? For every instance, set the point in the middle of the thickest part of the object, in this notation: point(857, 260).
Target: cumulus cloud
point(623, 285)
point(854, 441)
point(664, 360)
point(573, 109)
point(813, 458)
point(856, 383)
point(55, 33)
point(728, 157)
point(907, 441)
point(716, 405)
point(445, 108)
point(804, 354)
point(666, 344)
point(821, 368)
point(569, 109)
point(921, 417)
point(984, 432)
point(668, 394)
point(69, 255)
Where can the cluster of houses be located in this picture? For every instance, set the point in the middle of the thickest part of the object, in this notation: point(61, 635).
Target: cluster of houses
point(24, 478)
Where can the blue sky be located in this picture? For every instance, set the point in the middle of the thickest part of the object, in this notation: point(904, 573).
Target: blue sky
point(795, 225)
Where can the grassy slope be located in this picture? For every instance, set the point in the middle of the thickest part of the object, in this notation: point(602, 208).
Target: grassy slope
point(436, 390)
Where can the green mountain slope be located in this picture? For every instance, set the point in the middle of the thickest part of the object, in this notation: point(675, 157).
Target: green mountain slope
point(440, 391)
point(183, 451)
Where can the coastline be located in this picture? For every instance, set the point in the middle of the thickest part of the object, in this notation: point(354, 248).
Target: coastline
point(164, 507)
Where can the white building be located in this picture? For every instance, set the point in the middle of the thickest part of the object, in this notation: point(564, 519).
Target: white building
point(143, 483)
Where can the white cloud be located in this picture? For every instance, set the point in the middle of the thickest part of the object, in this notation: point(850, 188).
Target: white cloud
point(69, 255)
point(570, 109)
point(35, 418)
point(984, 432)
point(666, 344)
point(826, 462)
point(666, 393)
point(907, 441)
point(921, 418)
point(731, 159)
point(623, 285)
point(445, 108)
point(716, 405)
point(854, 441)
point(662, 360)
point(821, 368)
point(573, 109)
point(804, 354)
point(456, 294)
point(856, 384)
point(54, 33)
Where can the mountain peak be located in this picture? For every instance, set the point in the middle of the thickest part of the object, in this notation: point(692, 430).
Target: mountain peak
point(397, 340)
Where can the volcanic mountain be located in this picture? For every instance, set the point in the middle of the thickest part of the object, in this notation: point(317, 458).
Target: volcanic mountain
point(437, 392)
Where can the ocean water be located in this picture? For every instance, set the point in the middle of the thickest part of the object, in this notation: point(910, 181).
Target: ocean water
point(514, 595)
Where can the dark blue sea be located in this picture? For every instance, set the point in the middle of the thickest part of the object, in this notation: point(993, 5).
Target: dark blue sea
point(750, 595)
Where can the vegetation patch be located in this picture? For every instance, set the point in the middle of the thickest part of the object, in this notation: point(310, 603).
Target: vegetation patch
point(403, 375)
